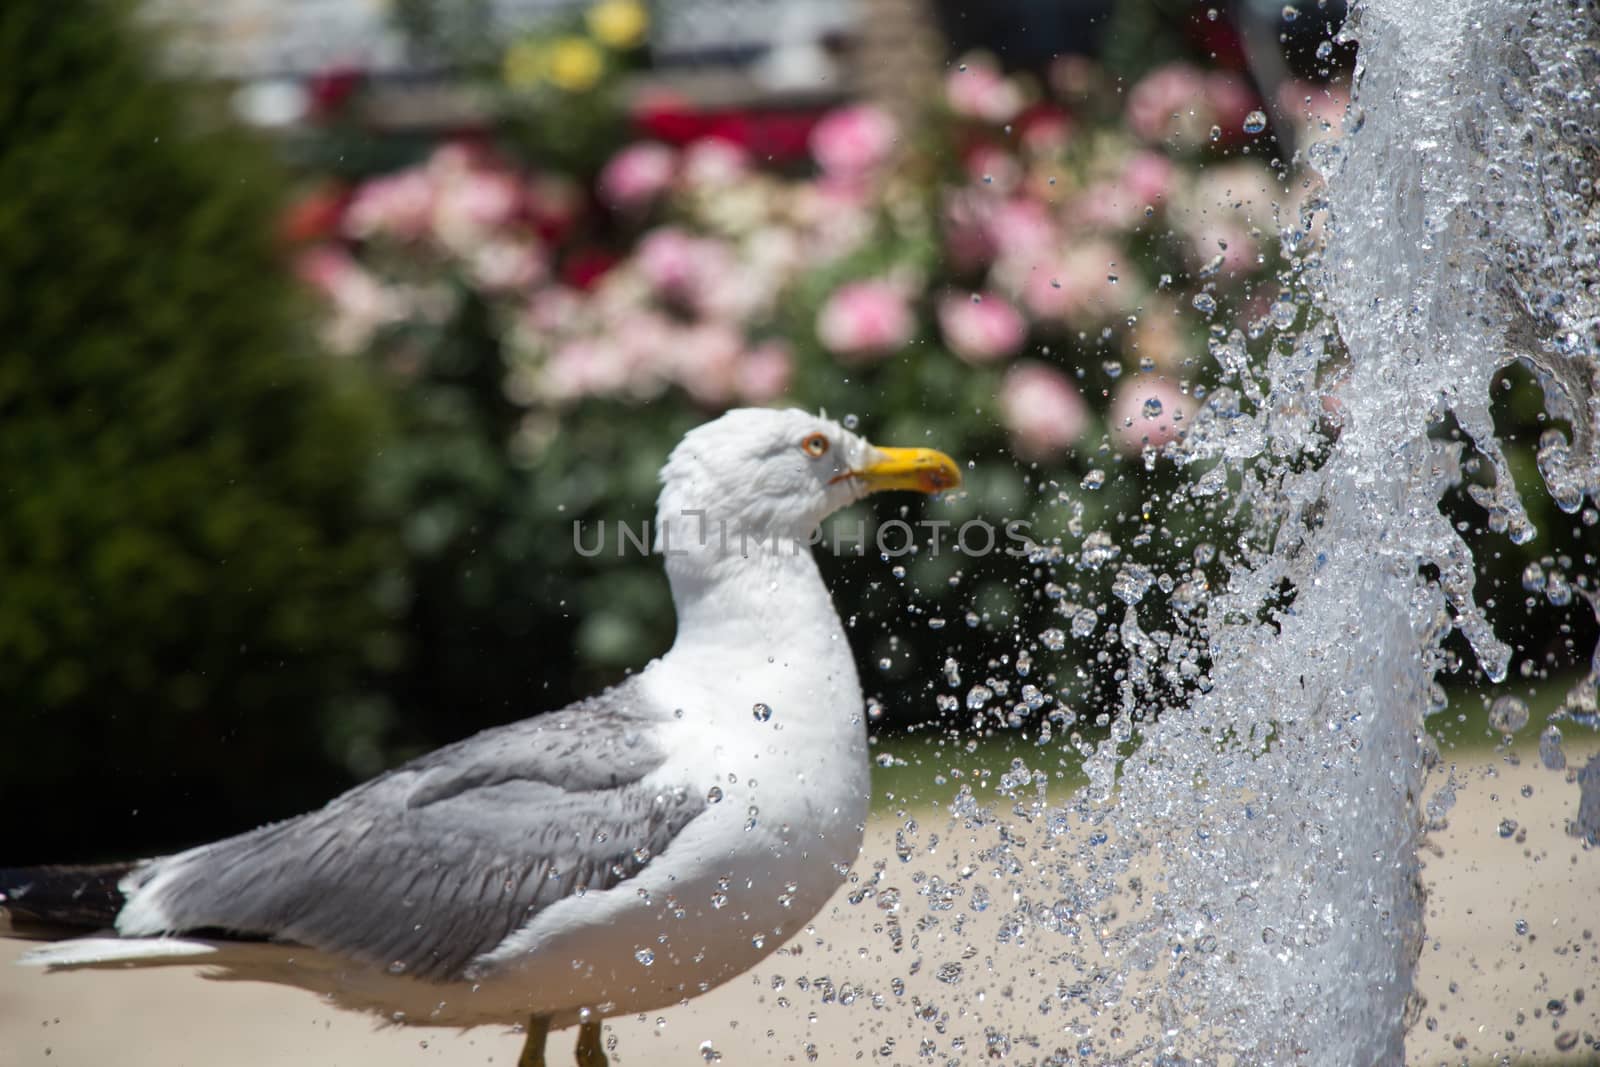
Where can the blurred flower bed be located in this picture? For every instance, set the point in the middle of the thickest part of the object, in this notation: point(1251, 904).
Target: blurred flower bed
point(1056, 237)
point(1028, 276)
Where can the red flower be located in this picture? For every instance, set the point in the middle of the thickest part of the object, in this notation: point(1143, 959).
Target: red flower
point(774, 134)
point(314, 216)
point(587, 266)
point(331, 89)
point(668, 117)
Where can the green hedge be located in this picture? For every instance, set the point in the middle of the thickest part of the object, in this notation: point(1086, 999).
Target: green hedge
point(187, 575)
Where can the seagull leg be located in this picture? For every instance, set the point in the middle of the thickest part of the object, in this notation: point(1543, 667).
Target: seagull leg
point(590, 1052)
point(533, 1048)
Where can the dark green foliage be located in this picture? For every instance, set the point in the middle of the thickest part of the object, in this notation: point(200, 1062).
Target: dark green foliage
point(504, 618)
point(187, 583)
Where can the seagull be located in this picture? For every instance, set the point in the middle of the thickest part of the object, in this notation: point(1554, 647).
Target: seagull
point(619, 855)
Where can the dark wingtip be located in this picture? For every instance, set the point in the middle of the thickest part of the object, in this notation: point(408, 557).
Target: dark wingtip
point(75, 898)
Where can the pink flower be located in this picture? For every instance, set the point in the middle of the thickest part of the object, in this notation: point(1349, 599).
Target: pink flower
point(1147, 412)
point(1148, 177)
point(396, 205)
point(763, 375)
point(683, 267)
point(852, 141)
point(1165, 102)
point(1046, 133)
point(978, 90)
point(1241, 192)
point(968, 239)
point(584, 367)
point(1022, 227)
point(1320, 109)
point(714, 162)
point(1043, 410)
point(993, 169)
point(1074, 75)
point(706, 362)
point(981, 328)
point(504, 265)
point(1077, 286)
point(325, 268)
point(637, 175)
point(865, 320)
point(470, 205)
point(361, 303)
point(552, 310)
point(1229, 101)
point(1231, 240)
point(1159, 335)
point(666, 258)
point(1105, 205)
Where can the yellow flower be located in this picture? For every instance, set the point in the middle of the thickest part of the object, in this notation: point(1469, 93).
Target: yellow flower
point(618, 24)
point(523, 66)
point(574, 64)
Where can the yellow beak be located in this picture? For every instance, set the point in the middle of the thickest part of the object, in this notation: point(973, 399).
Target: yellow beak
point(922, 469)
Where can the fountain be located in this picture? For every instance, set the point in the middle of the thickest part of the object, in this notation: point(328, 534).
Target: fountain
point(1241, 869)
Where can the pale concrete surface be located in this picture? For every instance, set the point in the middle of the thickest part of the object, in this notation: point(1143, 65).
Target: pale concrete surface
point(793, 1006)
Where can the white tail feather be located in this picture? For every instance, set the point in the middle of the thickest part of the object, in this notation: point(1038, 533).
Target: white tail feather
point(100, 951)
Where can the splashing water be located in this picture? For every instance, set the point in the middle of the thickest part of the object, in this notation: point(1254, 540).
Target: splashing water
point(1283, 803)
point(1242, 868)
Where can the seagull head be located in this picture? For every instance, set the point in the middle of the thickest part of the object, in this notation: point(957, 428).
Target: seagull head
point(768, 472)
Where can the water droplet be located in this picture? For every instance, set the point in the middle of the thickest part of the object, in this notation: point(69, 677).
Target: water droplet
point(850, 422)
point(1053, 639)
point(762, 712)
point(1131, 583)
point(1550, 753)
point(1084, 622)
point(714, 795)
point(1255, 122)
point(1098, 549)
point(645, 956)
point(1508, 714)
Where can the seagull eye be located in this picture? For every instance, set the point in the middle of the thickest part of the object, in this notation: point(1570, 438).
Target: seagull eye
point(814, 445)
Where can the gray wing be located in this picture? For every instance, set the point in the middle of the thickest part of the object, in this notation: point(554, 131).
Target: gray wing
point(432, 864)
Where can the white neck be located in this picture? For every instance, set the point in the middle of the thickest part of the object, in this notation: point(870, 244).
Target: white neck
point(755, 623)
point(769, 598)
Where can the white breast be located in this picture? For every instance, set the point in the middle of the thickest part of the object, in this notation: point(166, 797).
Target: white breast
point(789, 790)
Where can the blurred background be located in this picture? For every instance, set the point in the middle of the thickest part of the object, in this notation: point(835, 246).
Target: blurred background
point(322, 322)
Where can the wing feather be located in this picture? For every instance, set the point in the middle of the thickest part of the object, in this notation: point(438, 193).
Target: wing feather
point(427, 867)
